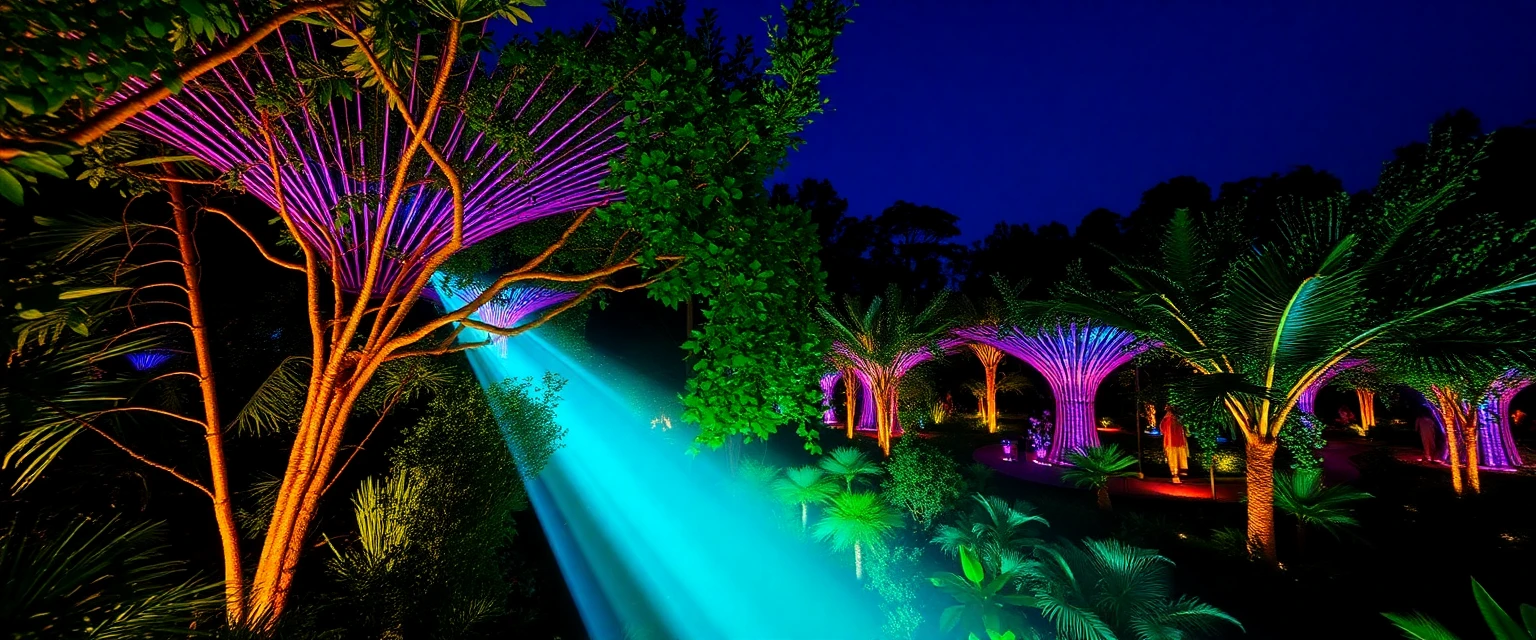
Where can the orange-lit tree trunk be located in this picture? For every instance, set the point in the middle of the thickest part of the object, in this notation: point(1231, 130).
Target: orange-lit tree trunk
point(1260, 479)
point(884, 387)
point(1449, 416)
point(1367, 408)
point(213, 435)
point(850, 399)
point(990, 357)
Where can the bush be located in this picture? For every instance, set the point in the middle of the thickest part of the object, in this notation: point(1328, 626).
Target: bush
point(922, 480)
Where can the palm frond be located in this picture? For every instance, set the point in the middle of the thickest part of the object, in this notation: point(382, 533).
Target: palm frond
point(276, 404)
point(1420, 627)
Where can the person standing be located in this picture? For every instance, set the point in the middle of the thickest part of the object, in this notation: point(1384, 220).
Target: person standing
point(1175, 446)
point(1428, 430)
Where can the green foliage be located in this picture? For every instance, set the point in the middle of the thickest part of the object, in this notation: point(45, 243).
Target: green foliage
point(1105, 589)
point(921, 479)
point(855, 519)
point(1094, 467)
point(1302, 495)
point(802, 486)
point(983, 602)
point(850, 465)
point(992, 529)
point(431, 534)
point(276, 404)
point(1500, 624)
point(96, 580)
point(894, 576)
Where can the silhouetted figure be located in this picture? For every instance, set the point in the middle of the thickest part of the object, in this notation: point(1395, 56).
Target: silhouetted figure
point(1175, 445)
point(1428, 430)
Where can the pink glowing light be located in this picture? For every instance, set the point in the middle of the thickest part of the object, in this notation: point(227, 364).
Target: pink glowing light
point(512, 306)
point(1074, 359)
point(335, 158)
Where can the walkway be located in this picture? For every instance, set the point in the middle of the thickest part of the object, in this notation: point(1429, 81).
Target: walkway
point(1336, 468)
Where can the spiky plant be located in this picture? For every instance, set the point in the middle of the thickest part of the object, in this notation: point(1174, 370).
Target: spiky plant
point(855, 520)
point(804, 486)
point(992, 529)
point(850, 465)
point(1503, 627)
point(883, 341)
point(1302, 495)
point(1094, 467)
point(1106, 589)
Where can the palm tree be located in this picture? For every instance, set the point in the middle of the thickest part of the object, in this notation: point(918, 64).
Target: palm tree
point(854, 520)
point(850, 465)
point(1093, 467)
point(983, 603)
point(883, 341)
point(1262, 313)
point(1106, 589)
point(988, 389)
point(1303, 496)
point(97, 581)
point(992, 529)
point(803, 486)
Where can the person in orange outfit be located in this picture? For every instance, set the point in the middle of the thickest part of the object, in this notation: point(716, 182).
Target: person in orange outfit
point(1175, 445)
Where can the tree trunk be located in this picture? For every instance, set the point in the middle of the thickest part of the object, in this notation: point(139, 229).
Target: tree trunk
point(1103, 497)
point(858, 562)
point(1449, 417)
point(803, 517)
point(885, 407)
point(213, 434)
point(1469, 429)
point(1210, 468)
point(1261, 497)
point(850, 398)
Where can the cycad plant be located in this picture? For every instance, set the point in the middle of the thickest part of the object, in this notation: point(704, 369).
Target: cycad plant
point(1094, 467)
point(1302, 495)
point(850, 465)
point(993, 528)
point(856, 520)
point(1108, 590)
point(1263, 308)
point(803, 486)
point(883, 341)
point(97, 580)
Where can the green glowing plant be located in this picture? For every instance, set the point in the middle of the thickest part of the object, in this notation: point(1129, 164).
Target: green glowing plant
point(851, 466)
point(856, 520)
point(1301, 495)
point(804, 486)
point(893, 575)
point(992, 529)
point(1094, 467)
point(1503, 627)
point(1106, 589)
point(984, 603)
point(921, 480)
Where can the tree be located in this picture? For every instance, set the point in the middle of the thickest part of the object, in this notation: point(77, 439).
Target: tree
point(845, 240)
point(701, 130)
point(803, 486)
point(1262, 321)
point(849, 465)
point(983, 603)
point(1106, 589)
point(992, 529)
point(856, 520)
point(1094, 467)
point(1301, 494)
point(103, 580)
point(911, 247)
point(921, 480)
point(883, 341)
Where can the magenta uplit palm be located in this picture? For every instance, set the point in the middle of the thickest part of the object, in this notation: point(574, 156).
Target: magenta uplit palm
point(1074, 359)
point(1307, 399)
point(336, 159)
point(828, 403)
point(1494, 430)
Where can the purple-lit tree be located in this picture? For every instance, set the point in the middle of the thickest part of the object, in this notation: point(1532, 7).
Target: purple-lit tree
point(512, 306)
point(828, 388)
point(149, 359)
point(1502, 453)
point(388, 142)
point(1075, 359)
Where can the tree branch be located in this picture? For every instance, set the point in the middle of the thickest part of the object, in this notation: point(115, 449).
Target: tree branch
point(252, 237)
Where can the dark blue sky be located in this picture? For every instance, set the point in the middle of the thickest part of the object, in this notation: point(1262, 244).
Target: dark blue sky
point(1033, 111)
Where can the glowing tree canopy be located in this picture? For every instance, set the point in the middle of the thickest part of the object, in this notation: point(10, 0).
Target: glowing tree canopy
point(1308, 396)
point(1074, 359)
point(149, 359)
point(338, 156)
point(1495, 442)
point(510, 307)
point(828, 401)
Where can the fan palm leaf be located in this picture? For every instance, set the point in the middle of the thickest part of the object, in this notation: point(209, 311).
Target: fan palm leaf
point(803, 486)
point(855, 520)
point(1303, 496)
point(850, 465)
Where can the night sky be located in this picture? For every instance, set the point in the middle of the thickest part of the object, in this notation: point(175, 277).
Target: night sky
point(1037, 111)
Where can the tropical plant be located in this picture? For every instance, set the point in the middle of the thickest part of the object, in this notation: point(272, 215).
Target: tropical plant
point(884, 340)
point(987, 389)
point(856, 520)
point(96, 580)
point(849, 465)
point(757, 474)
point(978, 477)
point(921, 480)
point(803, 486)
point(1094, 467)
point(1301, 494)
point(1503, 627)
point(1108, 590)
point(984, 603)
point(992, 529)
point(894, 576)
point(1262, 315)
point(700, 129)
